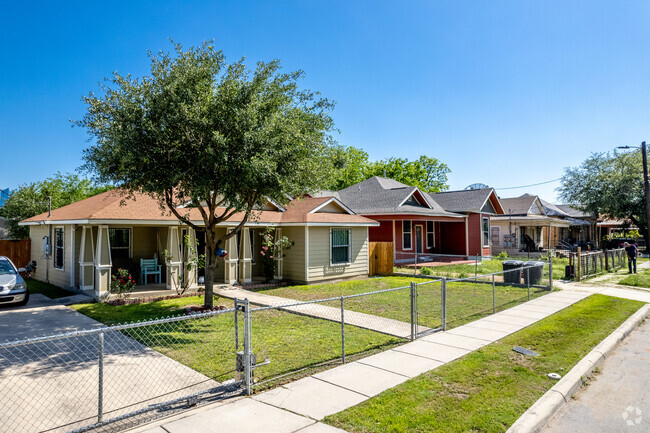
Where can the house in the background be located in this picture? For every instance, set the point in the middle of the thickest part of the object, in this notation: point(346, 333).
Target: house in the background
point(528, 225)
point(583, 224)
point(479, 205)
point(454, 223)
point(81, 244)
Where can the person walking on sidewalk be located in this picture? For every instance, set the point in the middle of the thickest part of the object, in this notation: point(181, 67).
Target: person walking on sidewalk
point(632, 252)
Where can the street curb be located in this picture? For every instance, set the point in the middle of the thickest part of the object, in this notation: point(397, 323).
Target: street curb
point(544, 409)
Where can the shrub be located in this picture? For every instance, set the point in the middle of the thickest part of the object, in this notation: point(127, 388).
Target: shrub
point(503, 255)
point(122, 284)
point(426, 271)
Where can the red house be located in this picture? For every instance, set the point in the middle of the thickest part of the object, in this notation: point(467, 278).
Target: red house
point(479, 205)
point(418, 222)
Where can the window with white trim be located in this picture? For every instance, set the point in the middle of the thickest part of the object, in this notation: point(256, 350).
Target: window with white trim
point(59, 247)
point(340, 246)
point(120, 241)
point(407, 238)
point(486, 232)
point(430, 239)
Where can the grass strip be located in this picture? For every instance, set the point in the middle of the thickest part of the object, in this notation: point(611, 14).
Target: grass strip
point(642, 279)
point(46, 289)
point(489, 389)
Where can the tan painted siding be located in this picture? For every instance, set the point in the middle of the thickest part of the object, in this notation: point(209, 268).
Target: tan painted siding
point(294, 262)
point(144, 243)
point(45, 267)
point(319, 255)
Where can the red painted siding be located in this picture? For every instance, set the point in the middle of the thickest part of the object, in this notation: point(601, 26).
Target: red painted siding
point(383, 233)
point(475, 231)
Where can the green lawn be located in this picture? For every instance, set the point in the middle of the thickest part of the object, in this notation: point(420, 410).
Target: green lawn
point(46, 289)
point(487, 390)
point(484, 267)
point(291, 341)
point(466, 301)
point(642, 279)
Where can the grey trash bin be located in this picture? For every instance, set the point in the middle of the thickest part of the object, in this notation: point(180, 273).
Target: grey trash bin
point(514, 276)
point(533, 271)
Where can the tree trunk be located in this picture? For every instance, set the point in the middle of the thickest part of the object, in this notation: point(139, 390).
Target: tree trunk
point(211, 246)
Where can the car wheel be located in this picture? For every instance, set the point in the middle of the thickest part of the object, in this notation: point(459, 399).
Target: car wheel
point(24, 301)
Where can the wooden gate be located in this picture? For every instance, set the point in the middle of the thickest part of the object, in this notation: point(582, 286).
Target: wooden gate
point(18, 251)
point(381, 258)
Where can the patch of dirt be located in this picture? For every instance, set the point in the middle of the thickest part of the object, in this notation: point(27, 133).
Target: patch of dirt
point(198, 309)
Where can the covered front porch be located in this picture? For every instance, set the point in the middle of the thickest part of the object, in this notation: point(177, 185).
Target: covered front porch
point(103, 249)
point(526, 234)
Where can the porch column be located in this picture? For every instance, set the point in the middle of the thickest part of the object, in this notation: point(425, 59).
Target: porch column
point(190, 255)
point(103, 262)
point(174, 262)
point(278, 257)
point(245, 262)
point(86, 259)
point(231, 260)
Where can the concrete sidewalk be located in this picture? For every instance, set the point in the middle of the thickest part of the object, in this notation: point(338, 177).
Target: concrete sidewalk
point(298, 406)
point(617, 399)
point(362, 320)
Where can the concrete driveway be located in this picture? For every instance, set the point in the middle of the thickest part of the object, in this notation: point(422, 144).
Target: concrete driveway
point(53, 385)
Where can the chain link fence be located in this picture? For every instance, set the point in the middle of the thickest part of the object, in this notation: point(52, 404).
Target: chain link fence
point(111, 378)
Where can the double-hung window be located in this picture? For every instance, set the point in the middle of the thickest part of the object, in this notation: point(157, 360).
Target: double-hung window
point(120, 240)
point(340, 246)
point(406, 235)
point(486, 232)
point(430, 240)
point(59, 247)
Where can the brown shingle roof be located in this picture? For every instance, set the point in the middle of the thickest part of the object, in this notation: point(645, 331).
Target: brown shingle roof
point(114, 205)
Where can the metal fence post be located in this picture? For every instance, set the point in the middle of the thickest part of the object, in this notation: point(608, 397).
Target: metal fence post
point(443, 294)
point(415, 263)
point(100, 387)
point(248, 383)
point(413, 309)
point(342, 331)
point(494, 298)
point(550, 274)
point(528, 281)
point(236, 326)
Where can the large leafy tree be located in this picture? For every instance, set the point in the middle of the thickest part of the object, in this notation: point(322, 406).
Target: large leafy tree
point(32, 199)
point(352, 165)
point(608, 184)
point(213, 134)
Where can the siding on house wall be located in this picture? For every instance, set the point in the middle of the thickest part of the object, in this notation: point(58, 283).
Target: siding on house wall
point(383, 233)
point(319, 255)
point(294, 262)
point(57, 277)
point(474, 232)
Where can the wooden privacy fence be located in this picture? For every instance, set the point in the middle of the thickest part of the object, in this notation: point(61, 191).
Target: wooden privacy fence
point(381, 258)
point(18, 251)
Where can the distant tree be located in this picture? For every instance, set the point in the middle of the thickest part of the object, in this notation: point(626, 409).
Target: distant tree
point(608, 184)
point(31, 199)
point(215, 135)
point(351, 165)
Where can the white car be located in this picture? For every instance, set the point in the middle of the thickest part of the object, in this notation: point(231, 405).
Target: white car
point(13, 289)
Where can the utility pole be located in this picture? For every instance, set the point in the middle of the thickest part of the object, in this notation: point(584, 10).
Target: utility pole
point(646, 188)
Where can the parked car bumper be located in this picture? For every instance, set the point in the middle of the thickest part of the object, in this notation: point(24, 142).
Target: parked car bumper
point(13, 296)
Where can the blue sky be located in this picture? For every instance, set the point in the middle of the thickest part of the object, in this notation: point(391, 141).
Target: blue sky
point(506, 93)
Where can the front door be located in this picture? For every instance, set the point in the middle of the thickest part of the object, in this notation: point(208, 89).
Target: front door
point(418, 239)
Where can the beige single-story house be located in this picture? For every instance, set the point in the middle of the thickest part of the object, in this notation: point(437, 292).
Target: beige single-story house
point(526, 226)
point(80, 245)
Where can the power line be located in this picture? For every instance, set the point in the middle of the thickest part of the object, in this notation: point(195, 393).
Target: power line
point(532, 184)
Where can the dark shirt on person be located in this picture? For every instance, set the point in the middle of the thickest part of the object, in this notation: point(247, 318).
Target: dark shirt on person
point(631, 251)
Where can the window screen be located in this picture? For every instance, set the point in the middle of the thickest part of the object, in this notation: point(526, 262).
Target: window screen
point(406, 235)
point(340, 246)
